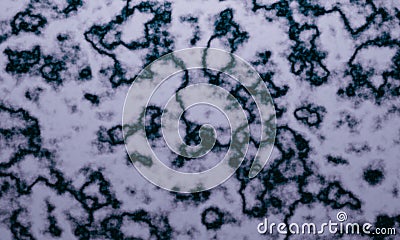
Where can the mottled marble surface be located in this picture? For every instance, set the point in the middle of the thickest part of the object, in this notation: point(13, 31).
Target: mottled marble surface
point(332, 68)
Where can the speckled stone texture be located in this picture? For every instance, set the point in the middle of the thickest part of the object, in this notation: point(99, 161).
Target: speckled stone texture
point(332, 68)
